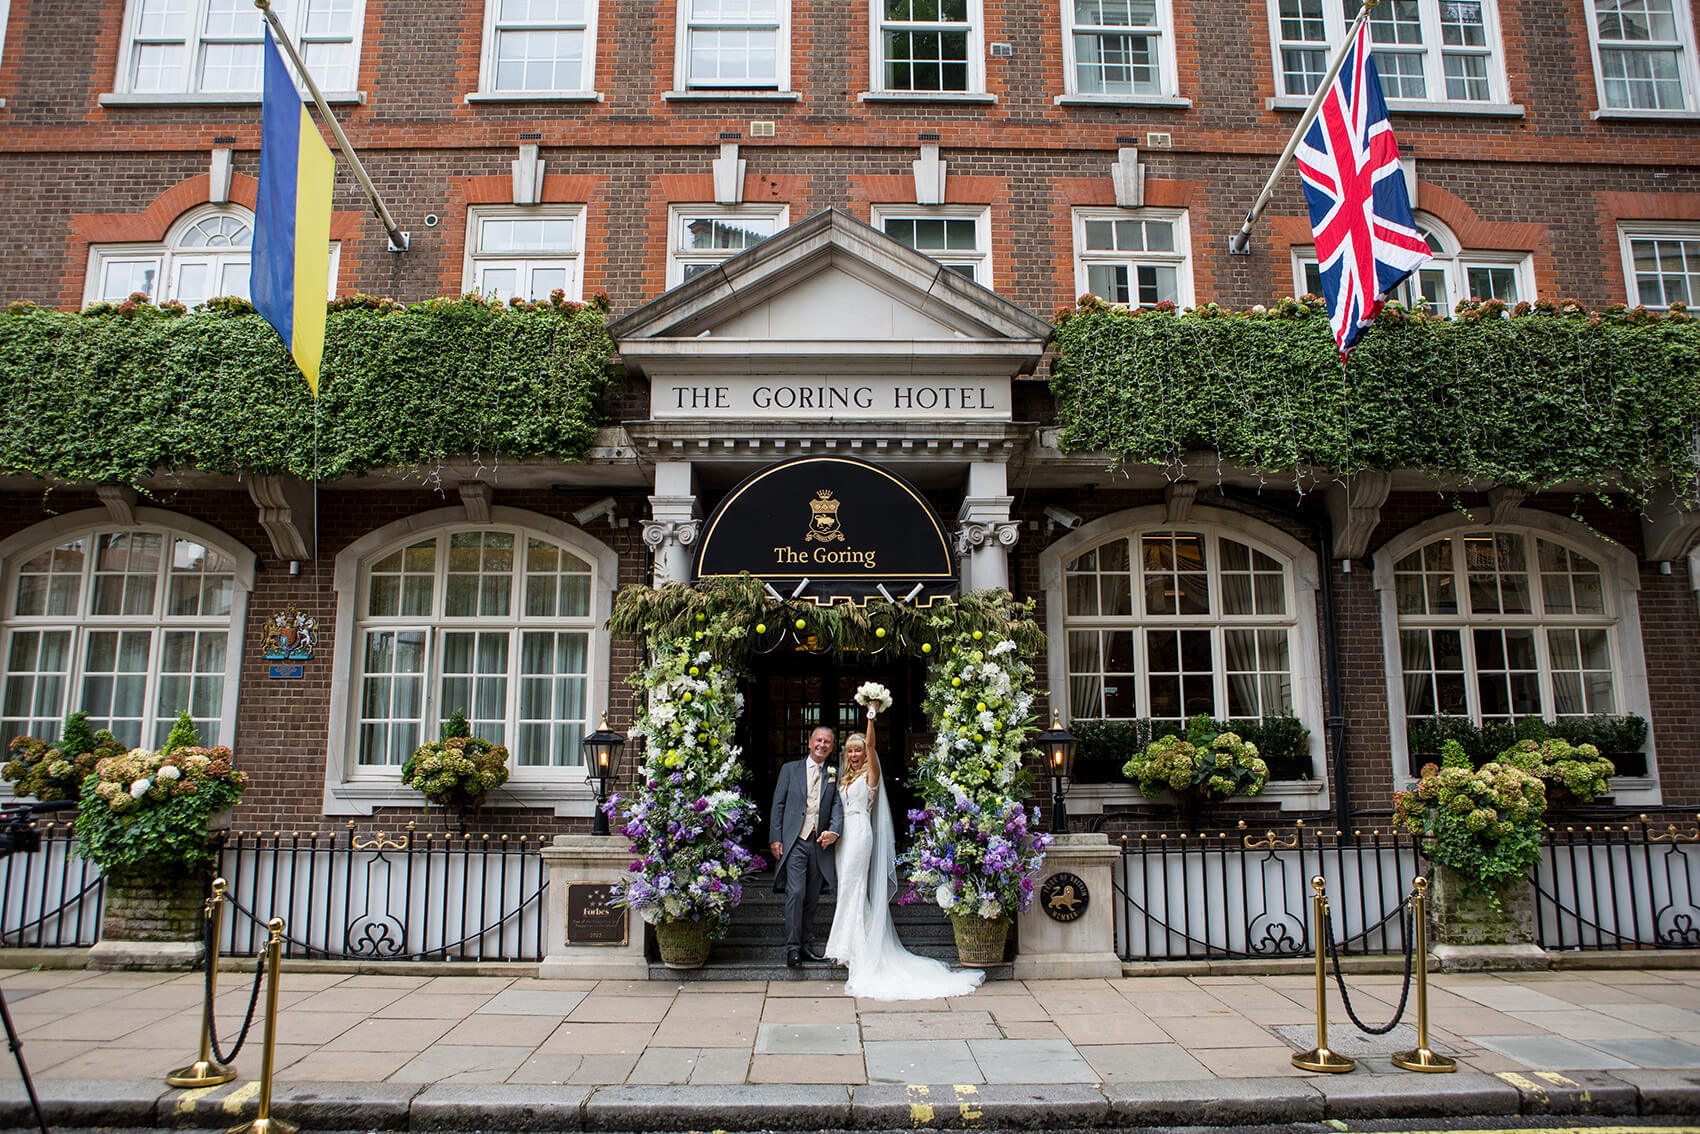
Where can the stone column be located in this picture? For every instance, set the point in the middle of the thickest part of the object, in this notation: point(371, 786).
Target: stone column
point(985, 533)
point(593, 859)
point(1048, 949)
point(671, 532)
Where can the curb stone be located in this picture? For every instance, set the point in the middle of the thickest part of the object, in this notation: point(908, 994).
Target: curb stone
point(498, 1106)
point(1665, 1092)
point(82, 1102)
point(1572, 1092)
point(1214, 1102)
point(345, 1106)
point(755, 1106)
point(1466, 1094)
point(896, 1106)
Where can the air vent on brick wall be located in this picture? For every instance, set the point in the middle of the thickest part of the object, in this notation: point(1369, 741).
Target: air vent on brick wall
point(1002, 50)
point(761, 129)
point(1156, 141)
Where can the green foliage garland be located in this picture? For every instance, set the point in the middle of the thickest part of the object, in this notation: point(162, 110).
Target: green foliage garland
point(115, 393)
point(1545, 395)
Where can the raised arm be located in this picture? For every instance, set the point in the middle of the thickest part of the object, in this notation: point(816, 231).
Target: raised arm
point(873, 757)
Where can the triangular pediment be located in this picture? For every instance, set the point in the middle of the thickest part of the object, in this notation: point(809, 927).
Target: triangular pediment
point(830, 278)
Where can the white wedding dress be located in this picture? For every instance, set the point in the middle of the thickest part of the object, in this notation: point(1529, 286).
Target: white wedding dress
point(863, 938)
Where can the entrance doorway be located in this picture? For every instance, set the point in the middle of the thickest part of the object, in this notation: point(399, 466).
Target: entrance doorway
point(790, 694)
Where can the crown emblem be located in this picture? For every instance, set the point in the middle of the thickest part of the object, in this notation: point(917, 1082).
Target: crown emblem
point(823, 524)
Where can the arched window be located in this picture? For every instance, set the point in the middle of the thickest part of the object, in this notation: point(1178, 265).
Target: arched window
point(131, 624)
point(1452, 274)
point(204, 255)
point(1215, 616)
point(1497, 624)
point(500, 620)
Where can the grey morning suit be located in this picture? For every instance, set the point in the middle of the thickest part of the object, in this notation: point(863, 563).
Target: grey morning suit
point(805, 867)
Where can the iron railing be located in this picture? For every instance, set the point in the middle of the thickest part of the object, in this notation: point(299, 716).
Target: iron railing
point(387, 897)
point(1620, 885)
point(1246, 894)
point(50, 897)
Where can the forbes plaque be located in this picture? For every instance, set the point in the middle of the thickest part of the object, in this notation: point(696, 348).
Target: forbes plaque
point(592, 918)
point(1064, 896)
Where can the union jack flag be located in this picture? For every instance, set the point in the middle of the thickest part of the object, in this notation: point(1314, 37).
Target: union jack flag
point(1366, 240)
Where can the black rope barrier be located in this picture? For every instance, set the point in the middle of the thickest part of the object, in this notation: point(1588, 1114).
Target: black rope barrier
point(229, 1057)
point(1404, 992)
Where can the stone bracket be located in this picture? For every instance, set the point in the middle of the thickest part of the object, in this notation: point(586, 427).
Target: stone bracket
point(729, 175)
point(1128, 177)
point(286, 512)
point(475, 496)
point(219, 172)
point(1667, 529)
point(528, 175)
point(1503, 501)
point(119, 501)
point(1354, 508)
point(1178, 496)
point(929, 176)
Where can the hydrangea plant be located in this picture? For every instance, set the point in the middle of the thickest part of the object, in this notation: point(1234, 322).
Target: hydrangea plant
point(975, 850)
point(1203, 765)
point(1577, 771)
point(1485, 823)
point(55, 772)
point(144, 814)
point(458, 770)
point(687, 820)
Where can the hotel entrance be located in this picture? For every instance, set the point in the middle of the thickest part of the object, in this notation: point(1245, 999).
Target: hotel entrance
point(791, 693)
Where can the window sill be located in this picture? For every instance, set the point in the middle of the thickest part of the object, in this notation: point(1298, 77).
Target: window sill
point(1287, 795)
point(926, 96)
point(1175, 101)
point(1647, 115)
point(154, 98)
point(1412, 106)
point(731, 96)
point(567, 799)
point(535, 96)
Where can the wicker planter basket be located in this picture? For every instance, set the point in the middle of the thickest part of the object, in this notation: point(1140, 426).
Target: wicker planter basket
point(979, 940)
point(684, 944)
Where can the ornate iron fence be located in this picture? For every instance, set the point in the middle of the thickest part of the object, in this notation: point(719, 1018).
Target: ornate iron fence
point(1616, 885)
point(384, 897)
point(1245, 893)
point(50, 897)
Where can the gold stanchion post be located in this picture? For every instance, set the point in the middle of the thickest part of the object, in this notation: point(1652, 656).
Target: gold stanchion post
point(263, 1122)
point(1319, 1058)
point(207, 1071)
point(1422, 1059)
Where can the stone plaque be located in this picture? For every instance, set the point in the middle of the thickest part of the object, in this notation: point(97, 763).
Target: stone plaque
point(1064, 896)
point(591, 919)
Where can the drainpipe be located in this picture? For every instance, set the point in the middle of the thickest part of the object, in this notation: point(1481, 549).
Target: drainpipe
point(1334, 734)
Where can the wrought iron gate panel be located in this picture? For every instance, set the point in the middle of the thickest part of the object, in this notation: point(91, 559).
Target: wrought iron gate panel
point(50, 897)
point(1629, 886)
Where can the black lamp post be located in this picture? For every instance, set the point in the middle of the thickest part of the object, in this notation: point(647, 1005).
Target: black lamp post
point(1057, 743)
point(602, 753)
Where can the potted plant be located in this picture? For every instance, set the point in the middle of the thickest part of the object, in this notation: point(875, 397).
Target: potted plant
point(56, 772)
point(687, 819)
point(458, 770)
point(1204, 765)
point(1482, 827)
point(143, 817)
point(1572, 774)
point(975, 850)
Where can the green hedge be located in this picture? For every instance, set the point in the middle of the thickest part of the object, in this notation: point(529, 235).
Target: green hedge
point(115, 393)
point(1530, 398)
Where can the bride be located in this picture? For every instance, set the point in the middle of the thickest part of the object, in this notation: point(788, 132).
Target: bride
point(863, 938)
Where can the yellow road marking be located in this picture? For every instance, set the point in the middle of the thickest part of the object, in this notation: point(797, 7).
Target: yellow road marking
point(971, 1114)
point(232, 1103)
point(1556, 1079)
point(920, 1109)
point(1522, 1082)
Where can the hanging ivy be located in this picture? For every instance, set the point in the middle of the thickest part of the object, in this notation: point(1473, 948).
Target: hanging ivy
point(117, 392)
point(1534, 397)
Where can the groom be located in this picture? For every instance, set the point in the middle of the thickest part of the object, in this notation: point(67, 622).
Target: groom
point(806, 820)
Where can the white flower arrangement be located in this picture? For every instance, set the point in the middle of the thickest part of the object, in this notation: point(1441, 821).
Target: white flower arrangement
point(875, 694)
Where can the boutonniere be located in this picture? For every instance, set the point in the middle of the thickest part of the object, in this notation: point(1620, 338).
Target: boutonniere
point(832, 774)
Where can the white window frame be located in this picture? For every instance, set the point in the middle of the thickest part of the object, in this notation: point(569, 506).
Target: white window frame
point(981, 215)
point(23, 546)
point(355, 789)
point(1630, 231)
point(1180, 259)
point(476, 260)
point(487, 89)
point(1451, 263)
point(294, 16)
point(1167, 77)
point(678, 256)
point(976, 88)
point(1335, 20)
point(167, 257)
point(682, 79)
point(1303, 579)
point(1688, 65)
point(1620, 584)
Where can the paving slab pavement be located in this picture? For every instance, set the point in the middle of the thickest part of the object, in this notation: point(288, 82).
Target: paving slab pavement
point(393, 1052)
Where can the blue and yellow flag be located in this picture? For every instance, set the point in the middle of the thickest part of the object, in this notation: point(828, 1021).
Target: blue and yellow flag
point(292, 220)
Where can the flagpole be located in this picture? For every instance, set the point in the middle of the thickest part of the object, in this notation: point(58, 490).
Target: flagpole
point(1240, 243)
point(398, 238)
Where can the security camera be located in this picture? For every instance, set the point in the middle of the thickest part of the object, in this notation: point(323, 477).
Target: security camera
point(1062, 516)
point(603, 507)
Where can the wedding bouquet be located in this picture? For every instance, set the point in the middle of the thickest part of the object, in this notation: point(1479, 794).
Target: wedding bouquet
point(875, 694)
